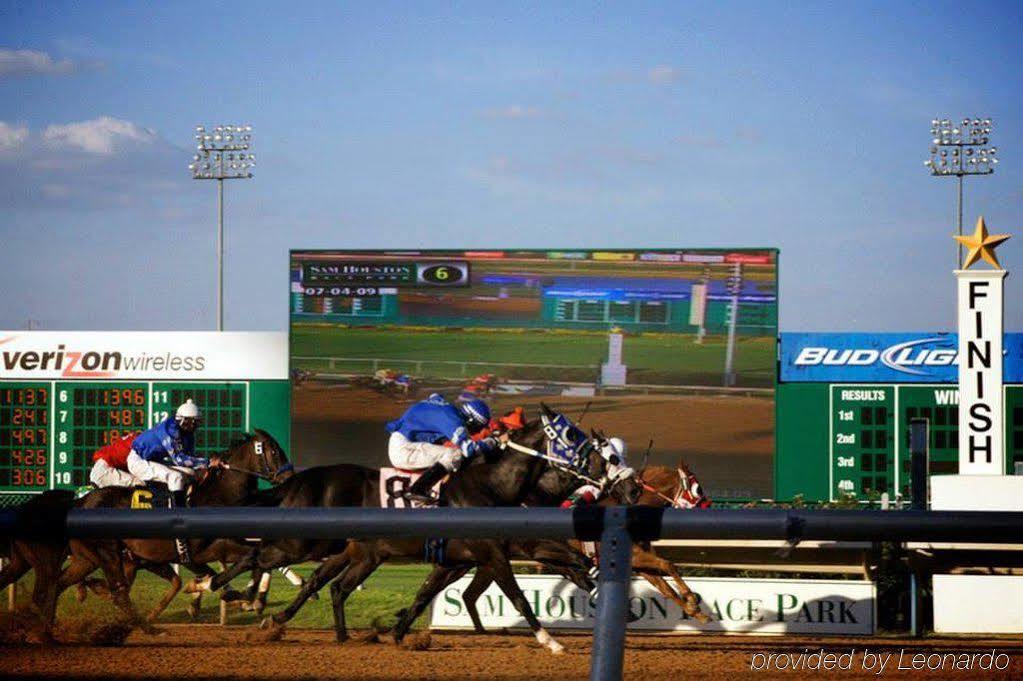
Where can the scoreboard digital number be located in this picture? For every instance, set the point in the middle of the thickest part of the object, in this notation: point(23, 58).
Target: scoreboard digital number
point(49, 430)
point(869, 435)
point(25, 436)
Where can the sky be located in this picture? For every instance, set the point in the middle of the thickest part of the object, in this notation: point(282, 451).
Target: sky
point(801, 126)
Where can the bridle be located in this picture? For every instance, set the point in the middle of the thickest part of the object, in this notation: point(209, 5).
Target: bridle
point(267, 473)
point(680, 495)
point(573, 466)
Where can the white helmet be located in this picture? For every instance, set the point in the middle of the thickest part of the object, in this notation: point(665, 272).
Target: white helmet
point(615, 446)
point(188, 410)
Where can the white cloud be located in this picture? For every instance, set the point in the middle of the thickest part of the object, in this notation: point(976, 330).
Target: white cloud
point(33, 63)
point(664, 74)
point(513, 112)
point(102, 136)
point(95, 164)
point(12, 137)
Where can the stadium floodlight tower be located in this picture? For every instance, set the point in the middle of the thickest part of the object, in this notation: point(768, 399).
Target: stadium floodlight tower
point(223, 154)
point(958, 150)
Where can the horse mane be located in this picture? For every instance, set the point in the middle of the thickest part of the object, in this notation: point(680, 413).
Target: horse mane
point(242, 440)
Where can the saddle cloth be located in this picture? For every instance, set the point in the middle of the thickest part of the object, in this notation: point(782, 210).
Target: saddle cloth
point(394, 482)
point(153, 495)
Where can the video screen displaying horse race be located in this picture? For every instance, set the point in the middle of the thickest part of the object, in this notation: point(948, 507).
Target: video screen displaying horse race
point(673, 346)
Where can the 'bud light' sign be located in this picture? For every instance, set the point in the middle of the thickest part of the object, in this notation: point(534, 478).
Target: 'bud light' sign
point(883, 358)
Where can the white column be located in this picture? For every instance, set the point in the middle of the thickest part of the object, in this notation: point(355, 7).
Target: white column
point(613, 372)
point(981, 412)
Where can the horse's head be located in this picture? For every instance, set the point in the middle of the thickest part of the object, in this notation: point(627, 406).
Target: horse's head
point(588, 456)
point(259, 454)
point(688, 491)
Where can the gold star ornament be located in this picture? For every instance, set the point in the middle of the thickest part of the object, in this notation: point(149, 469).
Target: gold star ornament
point(981, 245)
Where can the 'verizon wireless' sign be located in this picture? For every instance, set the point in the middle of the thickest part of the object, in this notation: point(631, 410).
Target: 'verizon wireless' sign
point(754, 606)
point(51, 355)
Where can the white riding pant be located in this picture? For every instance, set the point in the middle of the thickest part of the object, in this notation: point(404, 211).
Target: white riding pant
point(174, 478)
point(405, 453)
point(105, 475)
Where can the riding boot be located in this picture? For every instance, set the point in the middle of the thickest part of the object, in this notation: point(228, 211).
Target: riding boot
point(421, 489)
point(177, 500)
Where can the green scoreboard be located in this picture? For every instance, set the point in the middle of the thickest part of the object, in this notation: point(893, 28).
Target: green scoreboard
point(837, 438)
point(49, 429)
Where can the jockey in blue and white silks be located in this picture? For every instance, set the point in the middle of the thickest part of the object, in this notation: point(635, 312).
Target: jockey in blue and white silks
point(166, 452)
point(420, 439)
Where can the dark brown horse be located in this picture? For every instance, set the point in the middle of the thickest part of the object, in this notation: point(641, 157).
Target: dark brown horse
point(662, 487)
point(256, 456)
point(552, 485)
point(504, 480)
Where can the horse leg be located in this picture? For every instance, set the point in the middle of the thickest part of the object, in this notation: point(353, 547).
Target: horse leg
point(342, 587)
point(262, 591)
point(15, 569)
point(324, 573)
point(437, 580)
point(495, 558)
point(480, 581)
point(222, 579)
point(195, 592)
point(647, 560)
point(113, 570)
point(259, 581)
point(167, 573)
point(46, 559)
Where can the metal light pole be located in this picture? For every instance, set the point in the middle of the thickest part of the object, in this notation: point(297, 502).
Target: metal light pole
point(223, 154)
point(958, 151)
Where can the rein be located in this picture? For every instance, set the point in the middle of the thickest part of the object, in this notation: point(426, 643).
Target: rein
point(554, 461)
point(246, 471)
point(260, 451)
point(649, 488)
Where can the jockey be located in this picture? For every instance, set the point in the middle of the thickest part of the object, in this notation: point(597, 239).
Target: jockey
point(418, 437)
point(613, 451)
point(110, 464)
point(166, 452)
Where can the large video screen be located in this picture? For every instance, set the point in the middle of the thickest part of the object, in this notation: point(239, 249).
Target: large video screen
point(676, 346)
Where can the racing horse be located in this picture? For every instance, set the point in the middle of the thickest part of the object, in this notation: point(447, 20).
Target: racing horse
point(256, 594)
point(257, 455)
point(499, 480)
point(491, 557)
point(662, 487)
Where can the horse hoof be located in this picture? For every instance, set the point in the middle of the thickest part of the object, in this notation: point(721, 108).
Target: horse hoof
point(266, 623)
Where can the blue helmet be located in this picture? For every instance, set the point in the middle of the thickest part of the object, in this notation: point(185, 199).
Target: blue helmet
point(476, 412)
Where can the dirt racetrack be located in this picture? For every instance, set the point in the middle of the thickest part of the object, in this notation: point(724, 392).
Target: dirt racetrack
point(727, 440)
point(209, 652)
